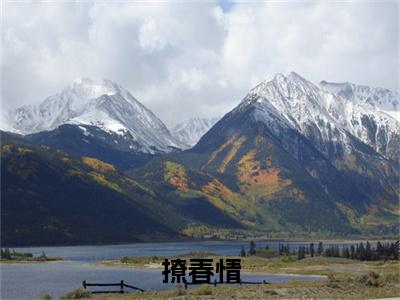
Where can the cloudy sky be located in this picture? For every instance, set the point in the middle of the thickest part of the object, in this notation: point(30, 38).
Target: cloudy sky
point(185, 58)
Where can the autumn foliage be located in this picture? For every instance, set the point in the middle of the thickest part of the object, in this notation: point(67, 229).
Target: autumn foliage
point(175, 174)
point(257, 180)
point(98, 165)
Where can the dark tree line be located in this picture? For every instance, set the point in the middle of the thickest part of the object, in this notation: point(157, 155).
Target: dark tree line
point(382, 251)
point(6, 253)
point(284, 250)
point(361, 251)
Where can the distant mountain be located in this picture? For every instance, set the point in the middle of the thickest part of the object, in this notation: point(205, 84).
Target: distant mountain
point(100, 103)
point(188, 133)
point(293, 156)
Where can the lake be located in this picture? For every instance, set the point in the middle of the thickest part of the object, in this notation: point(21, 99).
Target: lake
point(31, 281)
point(95, 253)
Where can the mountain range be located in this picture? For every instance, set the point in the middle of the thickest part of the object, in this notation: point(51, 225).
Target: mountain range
point(293, 157)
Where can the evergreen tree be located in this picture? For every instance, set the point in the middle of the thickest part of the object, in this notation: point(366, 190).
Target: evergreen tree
point(368, 251)
point(320, 248)
point(352, 252)
point(252, 250)
point(392, 250)
point(329, 251)
point(386, 251)
point(284, 250)
point(346, 253)
point(361, 251)
point(357, 252)
point(43, 256)
point(301, 253)
point(396, 250)
point(336, 251)
point(374, 256)
point(312, 249)
point(379, 249)
point(7, 253)
point(243, 252)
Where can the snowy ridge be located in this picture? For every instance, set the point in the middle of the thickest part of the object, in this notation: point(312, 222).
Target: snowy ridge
point(101, 103)
point(189, 133)
point(326, 117)
point(380, 98)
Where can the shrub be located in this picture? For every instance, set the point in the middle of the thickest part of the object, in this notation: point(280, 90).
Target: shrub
point(22, 255)
point(332, 281)
point(46, 297)
point(391, 277)
point(205, 289)
point(370, 279)
point(78, 293)
point(5, 254)
point(125, 260)
point(267, 253)
point(287, 259)
point(180, 290)
point(155, 258)
point(271, 292)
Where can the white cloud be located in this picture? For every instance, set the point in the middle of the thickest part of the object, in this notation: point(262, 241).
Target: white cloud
point(193, 59)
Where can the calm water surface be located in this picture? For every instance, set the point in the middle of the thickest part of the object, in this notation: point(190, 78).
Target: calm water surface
point(95, 253)
point(31, 281)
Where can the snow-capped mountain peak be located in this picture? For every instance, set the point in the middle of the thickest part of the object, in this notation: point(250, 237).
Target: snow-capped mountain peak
point(93, 87)
point(295, 99)
point(188, 133)
point(96, 102)
point(328, 113)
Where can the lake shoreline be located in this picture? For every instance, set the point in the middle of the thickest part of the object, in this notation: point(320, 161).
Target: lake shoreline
point(31, 261)
point(336, 240)
point(34, 279)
